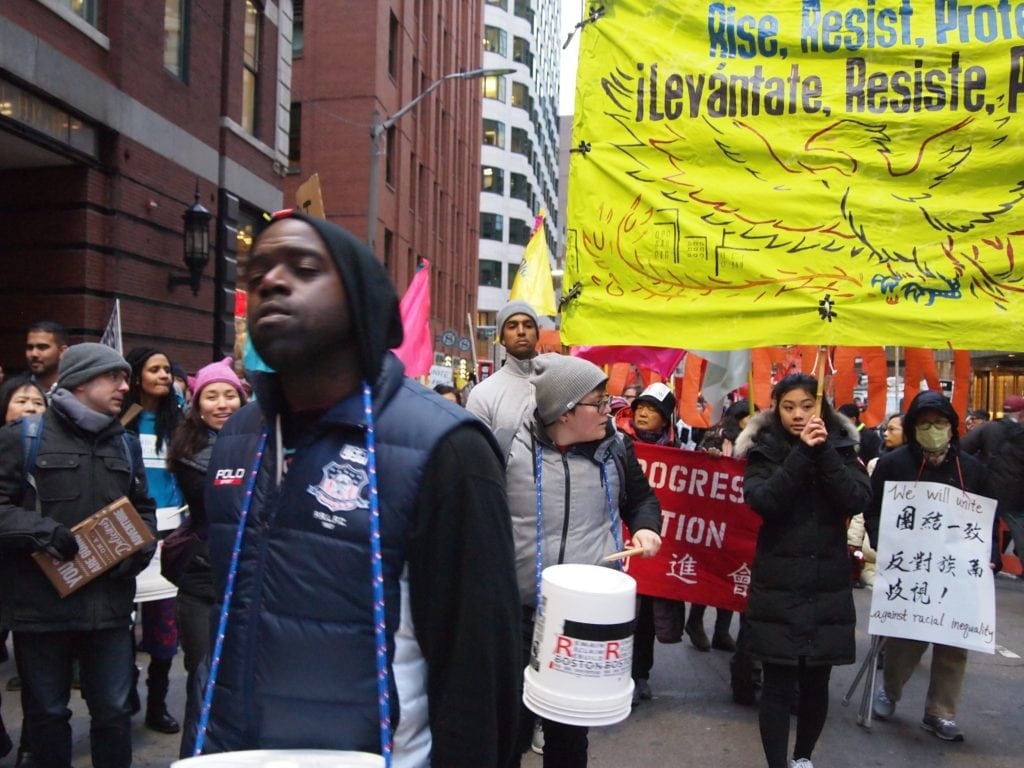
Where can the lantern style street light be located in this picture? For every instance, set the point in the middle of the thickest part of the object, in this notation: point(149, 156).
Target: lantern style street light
point(197, 246)
point(379, 127)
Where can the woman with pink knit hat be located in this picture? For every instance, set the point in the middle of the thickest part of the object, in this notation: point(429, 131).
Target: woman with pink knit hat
point(217, 393)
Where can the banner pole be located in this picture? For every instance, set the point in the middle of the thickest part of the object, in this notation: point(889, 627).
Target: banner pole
point(820, 369)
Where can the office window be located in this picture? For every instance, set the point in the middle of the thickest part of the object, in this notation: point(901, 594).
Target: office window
point(524, 11)
point(493, 87)
point(518, 232)
point(521, 51)
point(495, 40)
point(490, 273)
point(176, 37)
point(520, 187)
point(493, 180)
point(492, 227)
point(389, 155)
point(494, 133)
point(298, 27)
point(87, 10)
point(521, 143)
point(250, 66)
point(521, 96)
point(512, 269)
point(393, 31)
point(295, 136)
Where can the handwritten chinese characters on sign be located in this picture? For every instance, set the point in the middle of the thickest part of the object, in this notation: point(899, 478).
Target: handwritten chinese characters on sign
point(934, 582)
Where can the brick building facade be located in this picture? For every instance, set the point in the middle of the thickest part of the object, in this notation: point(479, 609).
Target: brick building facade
point(355, 58)
point(113, 113)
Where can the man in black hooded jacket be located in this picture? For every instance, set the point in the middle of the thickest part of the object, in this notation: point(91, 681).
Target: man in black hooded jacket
point(327, 616)
point(931, 454)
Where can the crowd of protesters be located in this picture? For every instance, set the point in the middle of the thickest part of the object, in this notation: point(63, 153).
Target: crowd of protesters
point(373, 548)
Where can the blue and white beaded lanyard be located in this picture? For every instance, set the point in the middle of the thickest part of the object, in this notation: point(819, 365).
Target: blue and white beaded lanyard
point(377, 567)
point(616, 530)
point(229, 589)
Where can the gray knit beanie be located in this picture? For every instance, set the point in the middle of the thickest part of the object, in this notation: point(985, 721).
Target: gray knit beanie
point(83, 362)
point(560, 381)
point(515, 308)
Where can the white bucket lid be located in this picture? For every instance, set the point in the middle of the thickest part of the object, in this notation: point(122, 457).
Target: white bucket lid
point(283, 758)
point(589, 578)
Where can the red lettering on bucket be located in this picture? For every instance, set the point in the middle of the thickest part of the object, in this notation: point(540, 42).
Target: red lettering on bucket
point(563, 643)
point(611, 651)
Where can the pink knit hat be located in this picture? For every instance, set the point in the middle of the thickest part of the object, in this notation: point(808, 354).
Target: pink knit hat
point(213, 373)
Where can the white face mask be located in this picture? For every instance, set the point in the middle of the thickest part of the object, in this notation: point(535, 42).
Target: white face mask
point(933, 437)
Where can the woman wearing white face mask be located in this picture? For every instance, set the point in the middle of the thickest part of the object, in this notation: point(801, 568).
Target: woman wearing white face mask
point(931, 454)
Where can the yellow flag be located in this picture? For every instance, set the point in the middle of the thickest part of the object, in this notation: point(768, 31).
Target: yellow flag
point(533, 280)
point(759, 173)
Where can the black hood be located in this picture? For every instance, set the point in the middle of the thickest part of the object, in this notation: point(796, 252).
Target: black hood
point(372, 298)
point(935, 401)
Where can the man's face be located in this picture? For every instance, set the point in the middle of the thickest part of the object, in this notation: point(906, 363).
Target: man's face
point(519, 337)
point(298, 310)
point(42, 354)
point(105, 393)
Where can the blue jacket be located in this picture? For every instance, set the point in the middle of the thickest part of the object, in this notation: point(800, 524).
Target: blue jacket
point(298, 667)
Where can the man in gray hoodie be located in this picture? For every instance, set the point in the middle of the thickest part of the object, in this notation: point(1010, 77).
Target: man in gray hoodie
point(505, 400)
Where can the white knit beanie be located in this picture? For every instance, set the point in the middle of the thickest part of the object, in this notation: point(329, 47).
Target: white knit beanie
point(560, 381)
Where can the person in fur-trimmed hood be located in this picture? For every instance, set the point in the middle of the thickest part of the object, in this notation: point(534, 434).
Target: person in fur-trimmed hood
point(804, 479)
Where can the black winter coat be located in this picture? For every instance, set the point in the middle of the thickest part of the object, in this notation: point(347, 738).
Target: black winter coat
point(77, 473)
point(196, 578)
point(801, 601)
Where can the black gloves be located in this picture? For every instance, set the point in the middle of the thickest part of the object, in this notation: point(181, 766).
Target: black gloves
point(63, 544)
point(134, 564)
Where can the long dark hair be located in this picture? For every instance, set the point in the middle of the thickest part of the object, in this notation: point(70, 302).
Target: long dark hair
point(192, 434)
point(168, 414)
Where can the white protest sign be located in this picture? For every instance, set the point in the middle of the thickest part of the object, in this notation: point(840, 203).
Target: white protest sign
point(441, 374)
point(933, 581)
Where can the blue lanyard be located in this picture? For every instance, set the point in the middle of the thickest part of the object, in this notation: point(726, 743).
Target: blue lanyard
point(616, 529)
point(229, 588)
point(379, 625)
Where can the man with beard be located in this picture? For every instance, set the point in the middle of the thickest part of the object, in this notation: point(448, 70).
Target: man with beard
point(375, 606)
point(45, 342)
point(504, 402)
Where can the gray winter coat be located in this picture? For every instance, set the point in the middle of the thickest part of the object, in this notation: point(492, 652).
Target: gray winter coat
point(577, 524)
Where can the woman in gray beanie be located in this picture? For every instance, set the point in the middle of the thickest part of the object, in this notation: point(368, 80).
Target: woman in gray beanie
point(572, 481)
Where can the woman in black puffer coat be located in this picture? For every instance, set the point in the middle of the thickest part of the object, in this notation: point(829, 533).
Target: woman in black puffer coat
point(804, 479)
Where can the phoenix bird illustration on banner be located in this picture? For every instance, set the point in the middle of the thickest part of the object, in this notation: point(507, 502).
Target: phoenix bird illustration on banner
point(817, 192)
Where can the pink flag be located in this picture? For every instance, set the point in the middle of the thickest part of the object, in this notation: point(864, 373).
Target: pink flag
point(417, 350)
point(659, 359)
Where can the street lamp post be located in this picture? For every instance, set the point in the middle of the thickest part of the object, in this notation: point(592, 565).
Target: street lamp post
point(379, 127)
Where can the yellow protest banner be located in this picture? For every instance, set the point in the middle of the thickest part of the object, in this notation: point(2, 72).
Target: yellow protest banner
point(755, 172)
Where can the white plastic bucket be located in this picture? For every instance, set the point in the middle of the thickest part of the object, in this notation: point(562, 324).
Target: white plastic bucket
point(582, 652)
point(283, 758)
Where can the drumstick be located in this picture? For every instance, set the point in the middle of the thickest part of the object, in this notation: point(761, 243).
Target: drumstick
point(624, 554)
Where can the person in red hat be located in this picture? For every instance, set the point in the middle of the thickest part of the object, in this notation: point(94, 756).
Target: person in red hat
point(1000, 446)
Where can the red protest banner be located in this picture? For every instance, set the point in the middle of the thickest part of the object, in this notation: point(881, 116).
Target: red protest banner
point(708, 533)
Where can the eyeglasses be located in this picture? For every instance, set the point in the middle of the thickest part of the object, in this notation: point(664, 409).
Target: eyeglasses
point(604, 404)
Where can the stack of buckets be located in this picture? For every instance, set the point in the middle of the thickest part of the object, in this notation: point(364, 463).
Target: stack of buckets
point(582, 652)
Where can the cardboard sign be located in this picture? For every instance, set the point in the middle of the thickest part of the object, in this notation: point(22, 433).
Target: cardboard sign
point(933, 581)
point(104, 540)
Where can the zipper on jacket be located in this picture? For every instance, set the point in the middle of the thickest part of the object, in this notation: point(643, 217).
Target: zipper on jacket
point(565, 515)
